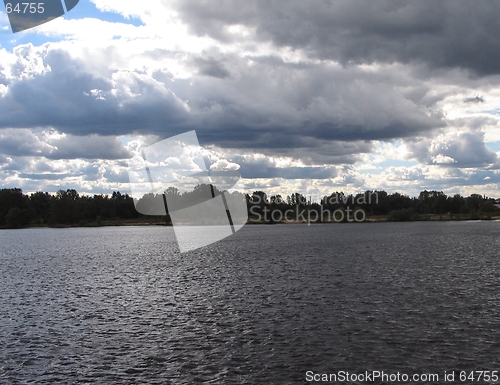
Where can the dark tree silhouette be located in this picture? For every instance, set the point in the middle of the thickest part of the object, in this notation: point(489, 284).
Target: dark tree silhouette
point(68, 207)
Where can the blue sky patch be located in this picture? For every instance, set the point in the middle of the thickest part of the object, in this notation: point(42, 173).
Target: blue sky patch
point(84, 9)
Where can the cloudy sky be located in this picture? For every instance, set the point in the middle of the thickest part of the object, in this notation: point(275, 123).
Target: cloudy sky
point(314, 97)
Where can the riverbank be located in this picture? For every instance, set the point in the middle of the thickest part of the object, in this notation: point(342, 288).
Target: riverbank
point(160, 221)
point(386, 218)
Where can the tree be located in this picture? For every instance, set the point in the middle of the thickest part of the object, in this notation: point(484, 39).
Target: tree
point(64, 208)
point(10, 198)
point(474, 202)
point(457, 204)
point(40, 206)
point(17, 218)
point(488, 207)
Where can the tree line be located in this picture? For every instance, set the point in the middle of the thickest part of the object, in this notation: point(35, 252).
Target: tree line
point(68, 207)
point(395, 206)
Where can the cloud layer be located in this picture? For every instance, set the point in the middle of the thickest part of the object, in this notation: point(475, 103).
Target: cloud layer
point(390, 94)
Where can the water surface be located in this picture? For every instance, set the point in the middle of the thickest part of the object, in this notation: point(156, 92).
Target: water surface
point(121, 305)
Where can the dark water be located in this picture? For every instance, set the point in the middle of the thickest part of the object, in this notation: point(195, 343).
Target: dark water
point(123, 306)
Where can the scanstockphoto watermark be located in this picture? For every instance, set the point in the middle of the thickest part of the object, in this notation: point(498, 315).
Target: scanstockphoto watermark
point(24, 15)
point(364, 198)
point(307, 215)
point(208, 209)
point(369, 377)
point(298, 208)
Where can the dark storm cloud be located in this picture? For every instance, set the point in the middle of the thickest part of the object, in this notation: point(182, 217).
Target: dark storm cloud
point(211, 67)
point(283, 105)
point(75, 101)
point(452, 33)
point(21, 143)
point(257, 171)
point(475, 100)
point(329, 152)
point(24, 142)
point(272, 106)
point(318, 152)
point(88, 147)
point(463, 150)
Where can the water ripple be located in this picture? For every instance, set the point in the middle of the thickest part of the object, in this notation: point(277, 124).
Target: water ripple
point(123, 306)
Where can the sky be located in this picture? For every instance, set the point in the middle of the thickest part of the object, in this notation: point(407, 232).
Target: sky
point(314, 97)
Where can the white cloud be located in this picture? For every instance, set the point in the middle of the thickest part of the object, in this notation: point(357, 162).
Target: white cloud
point(274, 101)
point(442, 159)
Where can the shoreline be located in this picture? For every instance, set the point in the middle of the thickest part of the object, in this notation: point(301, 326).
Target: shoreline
point(159, 222)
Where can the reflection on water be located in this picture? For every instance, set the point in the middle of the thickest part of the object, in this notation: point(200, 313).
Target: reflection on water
point(122, 305)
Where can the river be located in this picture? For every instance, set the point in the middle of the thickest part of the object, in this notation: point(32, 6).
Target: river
point(122, 305)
